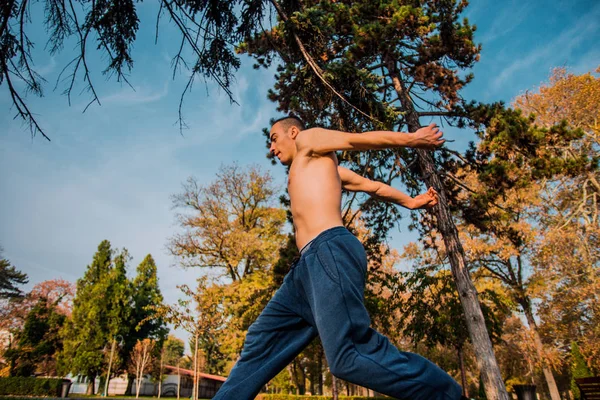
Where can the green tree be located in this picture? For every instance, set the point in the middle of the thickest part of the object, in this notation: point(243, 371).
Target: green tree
point(146, 292)
point(579, 369)
point(101, 311)
point(173, 350)
point(38, 342)
point(141, 325)
point(382, 66)
point(10, 277)
point(172, 353)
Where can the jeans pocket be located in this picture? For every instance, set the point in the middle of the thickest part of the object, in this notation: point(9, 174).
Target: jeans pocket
point(328, 263)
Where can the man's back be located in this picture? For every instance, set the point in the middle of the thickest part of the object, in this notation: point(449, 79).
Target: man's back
point(315, 193)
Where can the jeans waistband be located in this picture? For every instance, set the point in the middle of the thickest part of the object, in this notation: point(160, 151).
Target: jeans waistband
point(322, 237)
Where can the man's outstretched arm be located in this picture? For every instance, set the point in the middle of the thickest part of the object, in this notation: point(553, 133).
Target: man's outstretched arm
point(322, 141)
point(355, 183)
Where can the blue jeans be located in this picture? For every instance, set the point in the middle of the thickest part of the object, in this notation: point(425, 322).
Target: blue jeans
point(323, 294)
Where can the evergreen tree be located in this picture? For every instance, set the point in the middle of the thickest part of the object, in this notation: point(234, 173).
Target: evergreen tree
point(359, 66)
point(10, 277)
point(579, 369)
point(146, 292)
point(100, 313)
point(143, 322)
point(119, 323)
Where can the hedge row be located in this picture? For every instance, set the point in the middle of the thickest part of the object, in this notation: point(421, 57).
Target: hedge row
point(29, 386)
point(296, 397)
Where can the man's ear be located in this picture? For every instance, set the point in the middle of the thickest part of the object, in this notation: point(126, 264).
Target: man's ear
point(294, 131)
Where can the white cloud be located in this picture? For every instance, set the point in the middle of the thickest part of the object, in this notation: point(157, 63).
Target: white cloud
point(556, 52)
point(507, 20)
point(136, 95)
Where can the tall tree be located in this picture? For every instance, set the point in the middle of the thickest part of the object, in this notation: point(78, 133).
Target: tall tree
point(84, 336)
point(101, 311)
point(230, 225)
point(432, 311)
point(374, 66)
point(10, 277)
point(146, 292)
point(566, 264)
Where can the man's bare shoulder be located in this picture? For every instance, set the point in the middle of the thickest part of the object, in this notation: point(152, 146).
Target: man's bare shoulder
point(306, 138)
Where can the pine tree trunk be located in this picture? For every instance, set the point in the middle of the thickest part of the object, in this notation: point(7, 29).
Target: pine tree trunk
point(463, 372)
point(539, 349)
point(482, 345)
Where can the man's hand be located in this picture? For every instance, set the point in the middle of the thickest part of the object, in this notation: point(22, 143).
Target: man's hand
point(428, 137)
point(426, 200)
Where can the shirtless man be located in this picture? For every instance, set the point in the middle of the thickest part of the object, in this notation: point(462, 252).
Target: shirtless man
point(322, 294)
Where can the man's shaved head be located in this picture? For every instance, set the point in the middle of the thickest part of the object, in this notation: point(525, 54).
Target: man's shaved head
point(289, 121)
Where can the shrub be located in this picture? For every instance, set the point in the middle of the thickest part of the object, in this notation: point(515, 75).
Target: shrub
point(30, 386)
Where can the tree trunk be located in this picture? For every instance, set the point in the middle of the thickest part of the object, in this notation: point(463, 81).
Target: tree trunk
point(320, 365)
point(91, 385)
point(301, 380)
point(195, 394)
point(463, 373)
point(138, 382)
point(160, 374)
point(129, 388)
point(178, 380)
point(482, 345)
point(334, 389)
point(539, 349)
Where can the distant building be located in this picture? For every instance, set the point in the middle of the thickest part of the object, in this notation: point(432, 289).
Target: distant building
point(208, 384)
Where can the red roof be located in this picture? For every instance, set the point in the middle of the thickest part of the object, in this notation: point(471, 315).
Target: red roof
point(190, 372)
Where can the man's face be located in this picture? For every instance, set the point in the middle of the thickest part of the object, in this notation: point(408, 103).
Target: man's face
point(283, 145)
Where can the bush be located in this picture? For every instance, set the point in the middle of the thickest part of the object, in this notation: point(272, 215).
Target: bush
point(296, 397)
point(30, 386)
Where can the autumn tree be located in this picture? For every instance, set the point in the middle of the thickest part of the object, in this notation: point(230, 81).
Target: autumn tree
point(230, 225)
point(432, 313)
point(58, 292)
point(566, 264)
point(140, 361)
point(574, 100)
point(200, 318)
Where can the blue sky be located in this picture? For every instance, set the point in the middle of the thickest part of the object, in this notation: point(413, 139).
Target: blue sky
point(108, 173)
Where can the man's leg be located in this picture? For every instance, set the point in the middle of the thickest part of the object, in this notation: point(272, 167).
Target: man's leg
point(333, 284)
point(273, 340)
